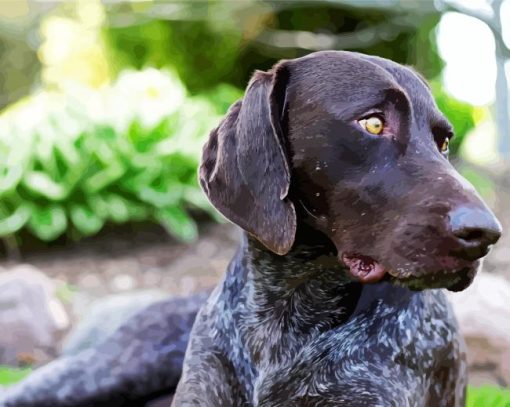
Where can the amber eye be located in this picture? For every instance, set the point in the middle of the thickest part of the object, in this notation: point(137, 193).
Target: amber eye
point(445, 146)
point(372, 124)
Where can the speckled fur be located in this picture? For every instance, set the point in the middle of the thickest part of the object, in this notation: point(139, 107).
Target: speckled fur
point(285, 331)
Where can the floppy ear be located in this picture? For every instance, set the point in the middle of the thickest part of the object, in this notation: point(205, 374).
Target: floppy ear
point(244, 169)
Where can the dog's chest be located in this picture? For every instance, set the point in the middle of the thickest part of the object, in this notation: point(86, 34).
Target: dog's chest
point(381, 354)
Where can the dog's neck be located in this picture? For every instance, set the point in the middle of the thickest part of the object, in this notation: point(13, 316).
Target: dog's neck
point(311, 257)
point(305, 291)
point(283, 302)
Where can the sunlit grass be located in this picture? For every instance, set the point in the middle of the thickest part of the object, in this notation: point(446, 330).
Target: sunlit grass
point(11, 375)
point(488, 396)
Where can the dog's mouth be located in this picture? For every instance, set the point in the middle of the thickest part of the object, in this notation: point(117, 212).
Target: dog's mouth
point(367, 270)
point(364, 268)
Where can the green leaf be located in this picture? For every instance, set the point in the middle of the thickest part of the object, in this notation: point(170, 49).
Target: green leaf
point(98, 204)
point(41, 184)
point(161, 195)
point(85, 220)
point(10, 177)
point(144, 176)
point(67, 152)
point(178, 223)
point(105, 177)
point(117, 208)
point(12, 223)
point(43, 148)
point(48, 223)
point(137, 212)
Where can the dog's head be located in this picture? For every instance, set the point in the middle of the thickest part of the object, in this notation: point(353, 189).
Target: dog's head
point(356, 147)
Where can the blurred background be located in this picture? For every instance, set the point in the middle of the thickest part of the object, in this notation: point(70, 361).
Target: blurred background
point(105, 106)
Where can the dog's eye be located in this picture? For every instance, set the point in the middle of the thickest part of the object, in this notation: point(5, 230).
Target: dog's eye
point(445, 147)
point(372, 124)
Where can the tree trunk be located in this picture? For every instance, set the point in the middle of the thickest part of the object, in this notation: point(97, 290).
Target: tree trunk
point(502, 103)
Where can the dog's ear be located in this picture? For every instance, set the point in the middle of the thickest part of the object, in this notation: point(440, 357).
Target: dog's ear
point(244, 169)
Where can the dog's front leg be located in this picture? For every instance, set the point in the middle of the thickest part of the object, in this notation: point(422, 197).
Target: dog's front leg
point(208, 378)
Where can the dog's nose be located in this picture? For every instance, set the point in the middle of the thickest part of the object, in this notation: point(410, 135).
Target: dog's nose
point(475, 229)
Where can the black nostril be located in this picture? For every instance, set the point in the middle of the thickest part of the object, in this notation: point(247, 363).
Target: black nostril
point(476, 229)
point(476, 235)
point(469, 235)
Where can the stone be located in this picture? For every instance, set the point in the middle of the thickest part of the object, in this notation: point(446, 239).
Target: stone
point(482, 309)
point(32, 318)
point(484, 319)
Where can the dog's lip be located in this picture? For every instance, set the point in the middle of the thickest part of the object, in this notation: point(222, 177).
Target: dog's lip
point(456, 280)
point(364, 268)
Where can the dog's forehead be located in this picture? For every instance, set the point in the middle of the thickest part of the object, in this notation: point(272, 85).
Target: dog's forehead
point(331, 76)
point(415, 85)
point(329, 79)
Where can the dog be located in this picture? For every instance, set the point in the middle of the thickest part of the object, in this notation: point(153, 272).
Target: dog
point(335, 166)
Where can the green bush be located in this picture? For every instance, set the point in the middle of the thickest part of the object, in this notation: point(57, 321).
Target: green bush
point(73, 160)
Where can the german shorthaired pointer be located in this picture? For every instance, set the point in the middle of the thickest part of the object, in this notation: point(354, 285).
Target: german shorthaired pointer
point(336, 167)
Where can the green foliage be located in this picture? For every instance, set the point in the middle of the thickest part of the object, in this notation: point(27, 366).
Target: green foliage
point(218, 41)
point(202, 54)
point(422, 49)
point(488, 396)
point(71, 162)
point(10, 375)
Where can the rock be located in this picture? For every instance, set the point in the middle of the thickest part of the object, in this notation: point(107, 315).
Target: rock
point(484, 318)
point(31, 316)
point(482, 309)
point(105, 315)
